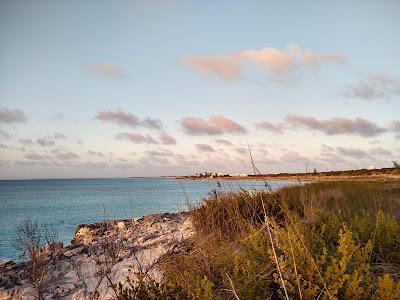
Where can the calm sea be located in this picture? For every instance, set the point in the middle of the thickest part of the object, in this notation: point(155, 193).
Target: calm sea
point(64, 204)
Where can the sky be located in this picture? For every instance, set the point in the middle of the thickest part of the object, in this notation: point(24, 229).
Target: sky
point(148, 88)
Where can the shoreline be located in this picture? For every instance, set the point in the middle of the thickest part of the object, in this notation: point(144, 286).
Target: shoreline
point(357, 175)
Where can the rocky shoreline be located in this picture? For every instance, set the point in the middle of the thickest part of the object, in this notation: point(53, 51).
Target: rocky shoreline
point(99, 254)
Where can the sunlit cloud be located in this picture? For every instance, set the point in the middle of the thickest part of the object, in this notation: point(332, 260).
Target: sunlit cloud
point(226, 68)
point(9, 116)
point(216, 125)
point(268, 126)
point(277, 63)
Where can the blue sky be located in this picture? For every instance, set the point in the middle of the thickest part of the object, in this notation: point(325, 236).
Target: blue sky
point(316, 81)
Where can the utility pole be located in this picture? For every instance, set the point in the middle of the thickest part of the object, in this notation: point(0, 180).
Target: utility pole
point(306, 167)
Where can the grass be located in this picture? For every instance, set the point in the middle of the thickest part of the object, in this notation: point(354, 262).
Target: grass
point(327, 240)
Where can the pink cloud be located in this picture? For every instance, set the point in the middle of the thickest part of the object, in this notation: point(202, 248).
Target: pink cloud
point(123, 118)
point(226, 124)
point(216, 125)
point(226, 68)
point(269, 127)
point(336, 126)
point(205, 148)
point(167, 139)
point(277, 63)
point(223, 142)
point(274, 61)
point(136, 138)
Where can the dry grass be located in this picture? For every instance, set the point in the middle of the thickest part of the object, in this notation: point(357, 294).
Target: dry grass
point(330, 240)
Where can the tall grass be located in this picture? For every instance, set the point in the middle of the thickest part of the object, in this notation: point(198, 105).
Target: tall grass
point(331, 240)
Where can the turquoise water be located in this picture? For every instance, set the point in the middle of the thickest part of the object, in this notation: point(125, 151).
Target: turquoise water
point(66, 203)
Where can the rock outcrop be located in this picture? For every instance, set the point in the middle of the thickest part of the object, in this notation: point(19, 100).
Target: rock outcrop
point(114, 248)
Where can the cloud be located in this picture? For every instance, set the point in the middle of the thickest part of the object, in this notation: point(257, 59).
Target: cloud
point(26, 142)
point(373, 87)
point(58, 136)
point(292, 156)
point(269, 127)
point(66, 156)
point(106, 70)
point(205, 148)
point(45, 141)
point(275, 62)
point(379, 151)
point(197, 126)
point(226, 68)
point(278, 64)
point(167, 139)
point(136, 138)
point(216, 125)
point(352, 152)
point(35, 156)
point(395, 126)
point(119, 117)
point(241, 150)
point(335, 126)
point(12, 115)
point(96, 153)
point(152, 123)
point(122, 118)
point(5, 135)
point(315, 60)
point(226, 125)
point(223, 142)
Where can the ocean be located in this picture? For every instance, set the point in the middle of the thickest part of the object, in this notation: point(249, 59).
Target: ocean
point(66, 203)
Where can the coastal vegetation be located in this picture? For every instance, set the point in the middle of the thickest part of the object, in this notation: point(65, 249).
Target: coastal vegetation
point(325, 240)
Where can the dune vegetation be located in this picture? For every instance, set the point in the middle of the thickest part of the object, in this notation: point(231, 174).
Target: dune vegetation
point(326, 240)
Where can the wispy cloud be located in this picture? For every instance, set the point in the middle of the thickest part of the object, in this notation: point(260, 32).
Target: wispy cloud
point(335, 126)
point(136, 138)
point(332, 126)
point(352, 152)
point(96, 153)
point(215, 125)
point(47, 141)
point(265, 125)
point(226, 68)
point(224, 142)
point(374, 87)
point(123, 118)
point(66, 156)
point(278, 64)
point(205, 148)
point(35, 156)
point(106, 70)
point(12, 115)
point(167, 139)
